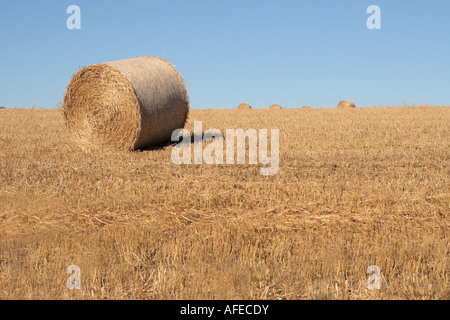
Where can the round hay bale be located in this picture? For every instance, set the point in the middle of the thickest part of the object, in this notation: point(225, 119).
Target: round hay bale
point(346, 104)
point(306, 108)
point(244, 106)
point(275, 107)
point(126, 104)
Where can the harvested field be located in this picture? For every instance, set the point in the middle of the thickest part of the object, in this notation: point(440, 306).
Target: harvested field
point(367, 186)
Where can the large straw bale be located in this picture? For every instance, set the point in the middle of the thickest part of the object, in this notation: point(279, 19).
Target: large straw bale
point(346, 104)
point(126, 104)
point(275, 107)
point(244, 106)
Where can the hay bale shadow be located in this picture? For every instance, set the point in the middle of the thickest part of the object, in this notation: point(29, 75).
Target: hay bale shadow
point(207, 137)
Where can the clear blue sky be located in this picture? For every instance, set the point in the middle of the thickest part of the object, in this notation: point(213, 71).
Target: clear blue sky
point(294, 53)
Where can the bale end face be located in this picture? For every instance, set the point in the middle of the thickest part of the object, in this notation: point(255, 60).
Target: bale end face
point(101, 109)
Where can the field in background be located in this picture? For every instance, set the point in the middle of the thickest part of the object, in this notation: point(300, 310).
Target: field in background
point(355, 188)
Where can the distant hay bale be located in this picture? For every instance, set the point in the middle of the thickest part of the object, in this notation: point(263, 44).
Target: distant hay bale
point(126, 104)
point(275, 107)
point(244, 106)
point(346, 104)
point(306, 108)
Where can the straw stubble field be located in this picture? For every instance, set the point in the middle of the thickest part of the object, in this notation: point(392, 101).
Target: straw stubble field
point(355, 188)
